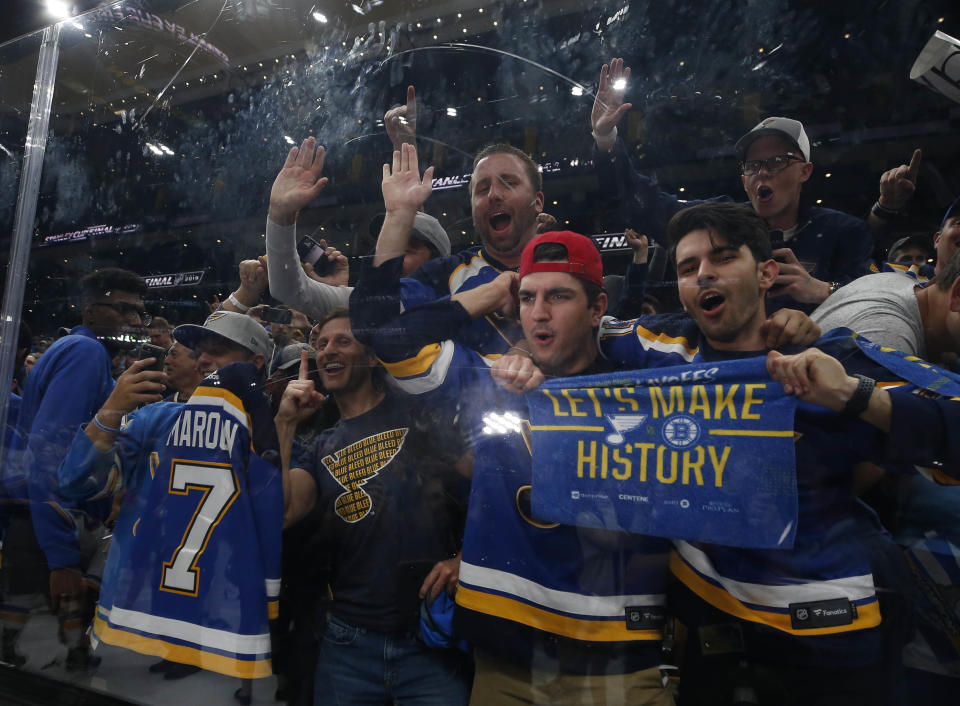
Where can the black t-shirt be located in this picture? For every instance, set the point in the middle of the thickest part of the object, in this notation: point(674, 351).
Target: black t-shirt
point(389, 495)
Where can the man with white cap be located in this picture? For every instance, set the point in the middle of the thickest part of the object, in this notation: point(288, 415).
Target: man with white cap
point(819, 249)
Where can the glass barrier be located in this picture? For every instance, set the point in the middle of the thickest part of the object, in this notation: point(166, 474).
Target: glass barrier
point(562, 473)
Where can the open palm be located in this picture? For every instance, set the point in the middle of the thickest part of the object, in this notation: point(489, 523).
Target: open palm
point(299, 181)
point(608, 106)
point(402, 186)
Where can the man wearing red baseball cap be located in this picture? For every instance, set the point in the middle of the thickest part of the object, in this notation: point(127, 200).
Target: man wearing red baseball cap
point(544, 605)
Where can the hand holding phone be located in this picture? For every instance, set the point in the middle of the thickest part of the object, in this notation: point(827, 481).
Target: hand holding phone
point(148, 350)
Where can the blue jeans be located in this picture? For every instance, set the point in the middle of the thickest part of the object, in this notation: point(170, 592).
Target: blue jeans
point(360, 666)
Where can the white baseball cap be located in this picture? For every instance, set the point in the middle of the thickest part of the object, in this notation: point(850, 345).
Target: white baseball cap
point(782, 127)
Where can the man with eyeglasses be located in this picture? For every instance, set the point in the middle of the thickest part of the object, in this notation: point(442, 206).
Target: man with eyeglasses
point(819, 249)
point(48, 535)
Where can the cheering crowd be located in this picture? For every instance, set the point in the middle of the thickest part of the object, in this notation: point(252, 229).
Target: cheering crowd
point(345, 488)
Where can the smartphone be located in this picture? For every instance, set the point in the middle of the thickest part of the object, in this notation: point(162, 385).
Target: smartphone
point(277, 316)
point(312, 253)
point(148, 350)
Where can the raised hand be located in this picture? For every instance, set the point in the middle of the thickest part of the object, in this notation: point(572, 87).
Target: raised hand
point(401, 122)
point(546, 223)
point(640, 245)
point(403, 189)
point(897, 185)
point(253, 276)
point(136, 386)
point(298, 183)
point(608, 106)
point(300, 399)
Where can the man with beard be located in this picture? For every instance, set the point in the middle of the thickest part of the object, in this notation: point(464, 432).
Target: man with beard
point(69, 383)
point(381, 476)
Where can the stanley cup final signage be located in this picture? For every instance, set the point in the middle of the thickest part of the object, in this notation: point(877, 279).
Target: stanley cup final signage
point(176, 279)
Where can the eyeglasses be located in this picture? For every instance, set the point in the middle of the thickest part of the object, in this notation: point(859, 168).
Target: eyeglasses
point(128, 310)
point(773, 164)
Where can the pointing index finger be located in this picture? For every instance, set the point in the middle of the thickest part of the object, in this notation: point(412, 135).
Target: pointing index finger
point(914, 168)
point(304, 366)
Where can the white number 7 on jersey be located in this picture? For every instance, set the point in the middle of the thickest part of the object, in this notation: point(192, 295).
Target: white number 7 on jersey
point(219, 486)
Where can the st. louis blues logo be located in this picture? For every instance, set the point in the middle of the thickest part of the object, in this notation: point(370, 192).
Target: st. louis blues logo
point(622, 423)
point(681, 431)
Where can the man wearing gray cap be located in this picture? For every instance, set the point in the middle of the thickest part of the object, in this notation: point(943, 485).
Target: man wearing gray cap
point(226, 337)
point(819, 249)
point(227, 422)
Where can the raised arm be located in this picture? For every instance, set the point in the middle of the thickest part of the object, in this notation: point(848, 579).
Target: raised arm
point(300, 401)
point(637, 197)
point(404, 192)
point(296, 185)
point(608, 105)
point(896, 188)
point(401, 121)
point(253, 283)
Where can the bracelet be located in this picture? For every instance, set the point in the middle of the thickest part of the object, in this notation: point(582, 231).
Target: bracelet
point(605, 142)
point(103, 427)
point(882, 212)
point(520, 350)
point(236, 302)
point(860, 399)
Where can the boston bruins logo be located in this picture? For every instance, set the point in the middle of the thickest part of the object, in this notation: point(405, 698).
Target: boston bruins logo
point(357, 463)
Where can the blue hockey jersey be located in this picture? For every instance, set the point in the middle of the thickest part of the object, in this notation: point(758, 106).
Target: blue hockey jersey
point(193, 573)
point(828, 571)
point(526, 583)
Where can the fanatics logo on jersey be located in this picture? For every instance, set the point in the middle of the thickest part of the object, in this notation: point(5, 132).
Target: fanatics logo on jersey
point(354, 465)
point(822, 614)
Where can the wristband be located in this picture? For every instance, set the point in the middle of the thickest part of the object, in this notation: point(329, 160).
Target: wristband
point(103, 427)
point(518, 349)
point(605, 142)
point(882, 212)
point(860, 399)
point(236, 302)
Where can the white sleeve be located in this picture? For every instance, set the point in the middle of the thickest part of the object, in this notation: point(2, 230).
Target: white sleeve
point(290, 284)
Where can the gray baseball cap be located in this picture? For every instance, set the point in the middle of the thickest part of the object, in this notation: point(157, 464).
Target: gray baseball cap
point(236, 328)
point(782, 127)
point(428, 229)
point(290, 355)
point(918, 241)
point(425, 228)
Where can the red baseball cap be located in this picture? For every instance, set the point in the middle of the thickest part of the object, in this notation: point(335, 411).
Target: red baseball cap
point(583, 259)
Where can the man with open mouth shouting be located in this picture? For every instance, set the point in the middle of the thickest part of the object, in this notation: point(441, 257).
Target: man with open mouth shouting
point(819, 249)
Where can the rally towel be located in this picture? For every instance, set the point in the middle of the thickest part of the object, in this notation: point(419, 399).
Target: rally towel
point(202, 574)
point(702, 452)
point(907, 367)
